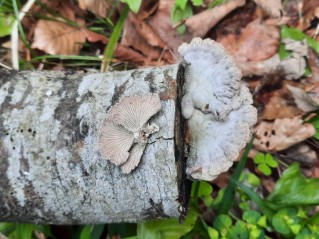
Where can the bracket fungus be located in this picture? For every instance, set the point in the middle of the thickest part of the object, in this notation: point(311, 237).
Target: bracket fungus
point(124, 132)
point(218, 107)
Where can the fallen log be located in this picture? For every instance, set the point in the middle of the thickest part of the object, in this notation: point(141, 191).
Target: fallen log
point(51, 166)
point(82, 148)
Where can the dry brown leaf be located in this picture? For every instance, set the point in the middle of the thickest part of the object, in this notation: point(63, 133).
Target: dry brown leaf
point(301, 152)
point(256, 42)
point(305, 100)
point(127, 54)
point(161, 23)
point(292, 67)
point(66, 8)
point(313, 61)
point(58, 38)
point(278, 106)
point(268, 183)
point(199, 24)
point(272, 7)
point(148, 7)
point(94, 37)
point(131, 38)
point(98, 7)
point(310, 10)
point(312, 172)
point(146, 32)
point(281, 134)
point(121, 52)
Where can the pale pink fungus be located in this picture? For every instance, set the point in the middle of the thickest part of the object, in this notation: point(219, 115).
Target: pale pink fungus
point(124, 132)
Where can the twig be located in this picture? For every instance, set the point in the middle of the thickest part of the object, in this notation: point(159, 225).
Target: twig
point(5, 66)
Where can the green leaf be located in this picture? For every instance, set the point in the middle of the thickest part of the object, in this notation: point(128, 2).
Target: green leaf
point(283, 53)
point(264, 168)
point(181, 4)
point(251, 216)
point(213, 234)
point(6, 23)
point(222, 223)
point(295, 34)
point(262, 221)
point(91, 232)
point(166, 229)
point(262, 204)
point(24, 231)
point(121, 229)
point(239, 230)
point(7, 228)
point(259, 158)
point(204, 189)
point(306, 233)
point(283, 220)
point(86, 232)
point(228, 197)
point(179, 14)
point(295, 229)
point(197, 2)
point(293, 189)
point(315, 122)
point(256, 233)
point(134, 5)
point(314, 220)
point(253, 179)
point(244, 206)
point(215, 3)
point(269, 160)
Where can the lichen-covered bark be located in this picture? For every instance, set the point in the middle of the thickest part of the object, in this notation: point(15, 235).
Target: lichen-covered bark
point(50, 165)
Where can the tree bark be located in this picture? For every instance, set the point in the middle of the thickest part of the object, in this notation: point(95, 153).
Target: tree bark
point(50, 165)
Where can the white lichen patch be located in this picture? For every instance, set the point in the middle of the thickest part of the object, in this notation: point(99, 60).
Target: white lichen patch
point(26, 134)
point(217, 106)
point(19, 92)
point(4, 91)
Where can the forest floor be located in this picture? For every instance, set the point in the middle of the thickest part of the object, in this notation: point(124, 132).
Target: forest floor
point(275, 44)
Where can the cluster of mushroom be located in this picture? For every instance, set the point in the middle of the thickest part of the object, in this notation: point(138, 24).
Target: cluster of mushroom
point(218, 107)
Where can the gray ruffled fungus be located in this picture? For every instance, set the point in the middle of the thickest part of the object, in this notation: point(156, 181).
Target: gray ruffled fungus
point(217, 106)
point(124, 132)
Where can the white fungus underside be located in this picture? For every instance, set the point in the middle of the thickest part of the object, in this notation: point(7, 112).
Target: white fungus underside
point(217, 106)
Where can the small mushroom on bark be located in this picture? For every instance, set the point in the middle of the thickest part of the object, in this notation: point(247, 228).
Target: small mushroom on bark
point(217, 106)
point(124, 132)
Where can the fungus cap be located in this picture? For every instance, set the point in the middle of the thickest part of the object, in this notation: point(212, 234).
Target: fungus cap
point(217, 106)
point(119, 136)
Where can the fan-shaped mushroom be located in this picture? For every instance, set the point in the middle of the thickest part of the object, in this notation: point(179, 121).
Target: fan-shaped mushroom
point(124, 132)
point(217, 106)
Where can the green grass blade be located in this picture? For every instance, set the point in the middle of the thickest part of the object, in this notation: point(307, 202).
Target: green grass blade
point(228, 197)
point(262, 204)
point(109, 50)
point(66, 57)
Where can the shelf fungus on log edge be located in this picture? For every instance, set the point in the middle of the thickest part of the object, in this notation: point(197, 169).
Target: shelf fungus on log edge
point(217, 106)
point(124, 131)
